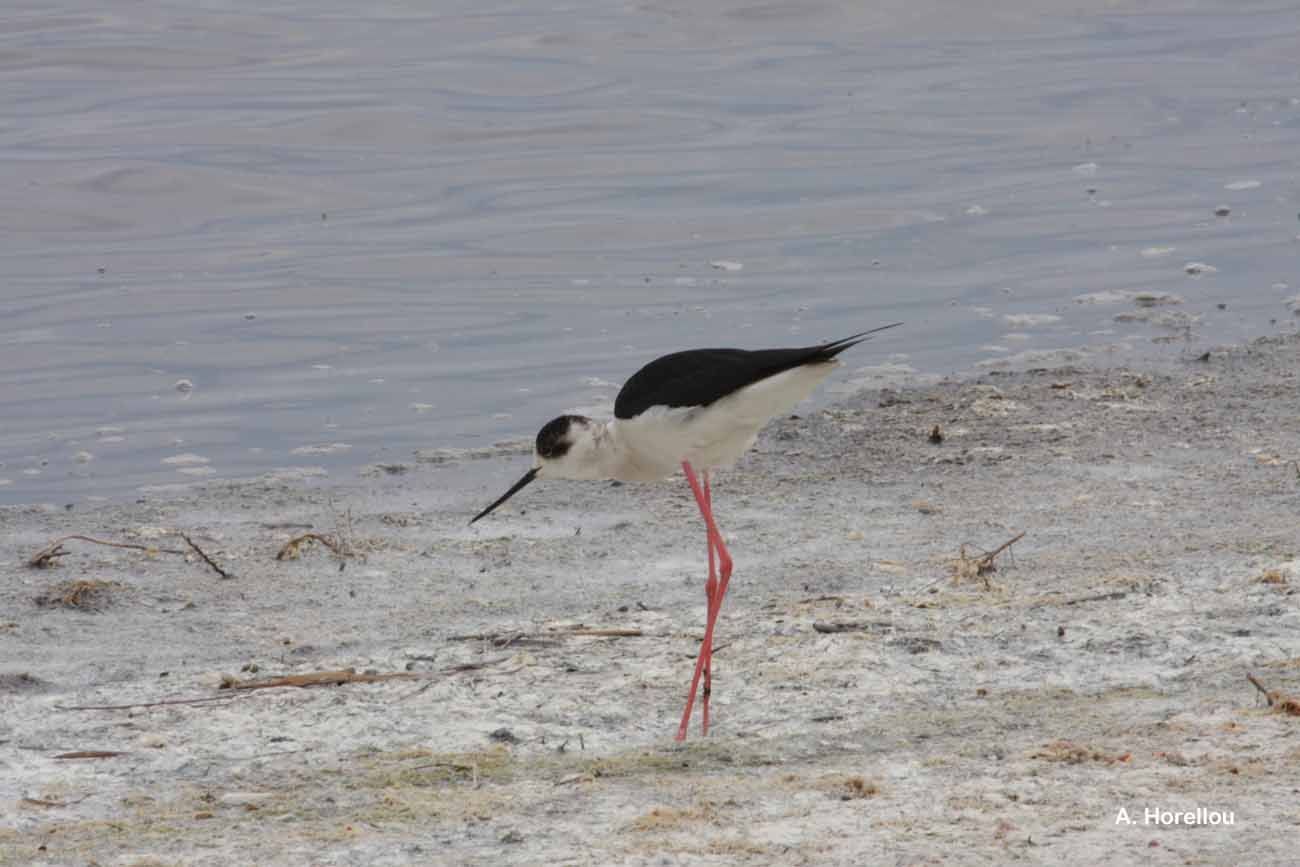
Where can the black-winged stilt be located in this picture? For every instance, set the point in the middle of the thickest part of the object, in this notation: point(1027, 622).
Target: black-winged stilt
point(699, 409)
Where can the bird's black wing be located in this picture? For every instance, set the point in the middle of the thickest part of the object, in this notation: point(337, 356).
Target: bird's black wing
point(698, 377)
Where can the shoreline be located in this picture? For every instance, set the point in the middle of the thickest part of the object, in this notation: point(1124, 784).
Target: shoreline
point(1148, 330)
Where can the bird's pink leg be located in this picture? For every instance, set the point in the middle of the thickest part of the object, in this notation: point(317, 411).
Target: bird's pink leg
point(711, 594)
point(719, 590)
point(724, 556)
point(715, 596)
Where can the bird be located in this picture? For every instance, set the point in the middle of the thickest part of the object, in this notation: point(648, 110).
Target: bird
point(696, 410)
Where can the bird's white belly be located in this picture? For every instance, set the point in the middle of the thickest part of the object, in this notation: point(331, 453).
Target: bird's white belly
point(654, 444)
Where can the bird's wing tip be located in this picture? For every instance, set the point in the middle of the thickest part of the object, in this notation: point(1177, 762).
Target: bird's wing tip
point(854, 339)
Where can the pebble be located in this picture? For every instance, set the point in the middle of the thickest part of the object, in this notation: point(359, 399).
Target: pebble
point(503, 736)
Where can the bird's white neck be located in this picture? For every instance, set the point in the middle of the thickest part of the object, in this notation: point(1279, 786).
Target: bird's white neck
point(605, 451)
point(601, 452)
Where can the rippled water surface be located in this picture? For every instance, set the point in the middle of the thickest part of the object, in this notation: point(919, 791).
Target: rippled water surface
point(324, 234)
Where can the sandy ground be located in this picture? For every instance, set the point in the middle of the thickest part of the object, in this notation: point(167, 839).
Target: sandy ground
point(960, 718)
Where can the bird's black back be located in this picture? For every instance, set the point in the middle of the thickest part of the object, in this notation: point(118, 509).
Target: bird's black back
point(698, 377)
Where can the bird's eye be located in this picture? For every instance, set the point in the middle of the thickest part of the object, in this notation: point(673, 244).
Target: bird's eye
point(553, 449)
point(553, 441)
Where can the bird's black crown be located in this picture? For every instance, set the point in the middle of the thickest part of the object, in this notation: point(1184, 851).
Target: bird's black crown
point(553, 440)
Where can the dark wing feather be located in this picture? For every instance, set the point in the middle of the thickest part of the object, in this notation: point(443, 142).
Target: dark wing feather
point(698, 377)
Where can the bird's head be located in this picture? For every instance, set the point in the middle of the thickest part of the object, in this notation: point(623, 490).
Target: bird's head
point(565, 449)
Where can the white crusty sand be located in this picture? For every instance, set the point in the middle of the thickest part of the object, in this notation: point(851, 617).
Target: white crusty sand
point(992, 719)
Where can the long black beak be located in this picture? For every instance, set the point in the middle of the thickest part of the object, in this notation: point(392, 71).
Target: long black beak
point(518, 486)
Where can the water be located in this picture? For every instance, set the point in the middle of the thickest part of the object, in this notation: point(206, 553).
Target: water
point(362, 229)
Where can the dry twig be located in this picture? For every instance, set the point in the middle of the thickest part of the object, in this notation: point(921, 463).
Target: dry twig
point(826, 626)
point(965, 567)
point(41, 802)
point(318, 678)
point(45, 558)
point(506, 639)
point(349, 675)
point(985, 564)
point(1254, 681)
point(471, 666)
point(1276, 699)
point(547, 637)
point(1096, 597)
point(205, 700)
point(206, 559)
point(575, 778)
point(292, 549)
